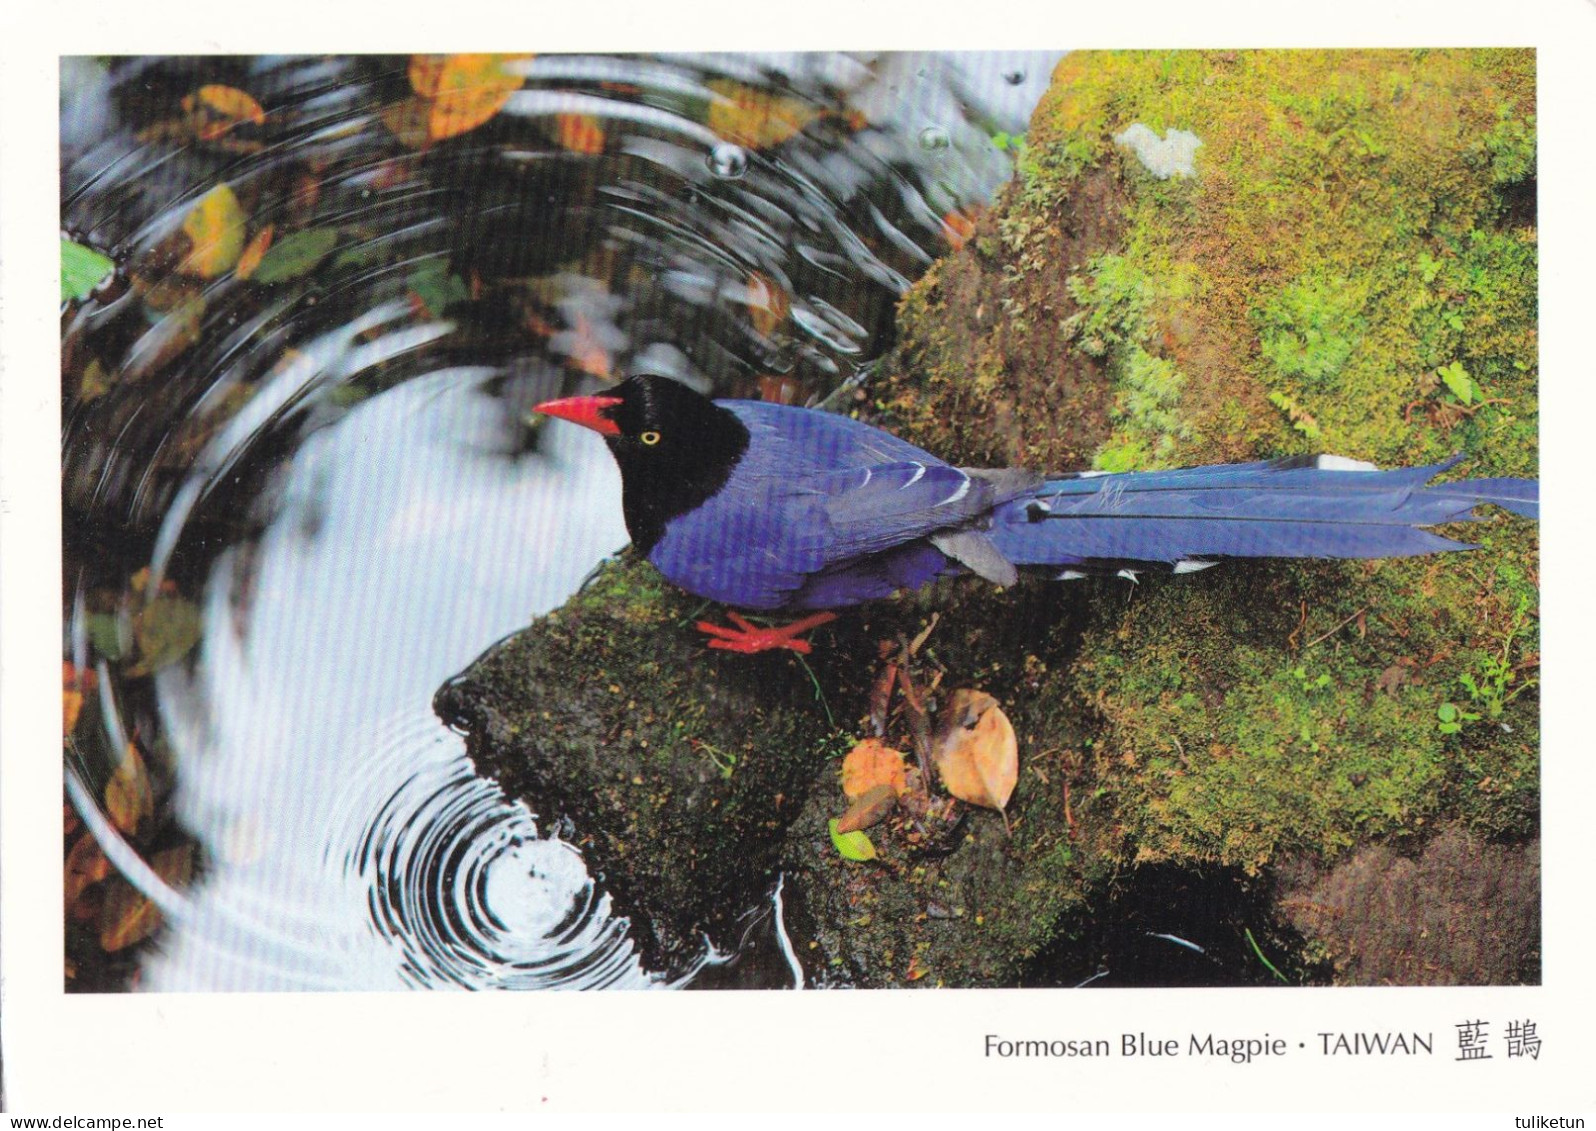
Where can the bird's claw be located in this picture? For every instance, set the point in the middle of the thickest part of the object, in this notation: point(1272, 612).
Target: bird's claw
point(750, 638)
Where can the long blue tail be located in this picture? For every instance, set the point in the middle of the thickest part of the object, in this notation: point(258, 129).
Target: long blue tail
point(1282, 509)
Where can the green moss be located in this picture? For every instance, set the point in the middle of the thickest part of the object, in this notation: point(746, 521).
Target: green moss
point(1357, 222)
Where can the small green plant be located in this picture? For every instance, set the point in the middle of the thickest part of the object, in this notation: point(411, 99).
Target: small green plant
point(1462, 386)
point(1318, 683)
point(723, 760)
point(1491, 686)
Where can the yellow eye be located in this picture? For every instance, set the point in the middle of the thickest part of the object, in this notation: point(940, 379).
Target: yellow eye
point(649, 438)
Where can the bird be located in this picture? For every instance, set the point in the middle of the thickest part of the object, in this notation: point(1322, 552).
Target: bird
point(778, 509)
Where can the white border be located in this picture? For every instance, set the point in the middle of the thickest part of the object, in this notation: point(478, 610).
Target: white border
point(755, 1051)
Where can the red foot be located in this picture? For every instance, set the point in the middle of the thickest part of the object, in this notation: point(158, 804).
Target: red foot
point(750, 639)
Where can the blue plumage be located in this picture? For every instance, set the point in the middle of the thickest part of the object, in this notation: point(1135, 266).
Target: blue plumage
point(764, 506)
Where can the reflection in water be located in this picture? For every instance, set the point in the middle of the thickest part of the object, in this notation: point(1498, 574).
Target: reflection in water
point(326, 470)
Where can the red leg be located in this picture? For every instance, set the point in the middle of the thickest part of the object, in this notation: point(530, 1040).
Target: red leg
point(750, 638)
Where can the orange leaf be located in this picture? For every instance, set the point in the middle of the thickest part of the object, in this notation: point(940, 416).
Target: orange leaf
point(215, 109)
point(85, 865)
point(215, 227)
point(759, 119)
point(869, 764)
point(128, 917)
point(959, 226)
point(579, 133)
point(871, 807)
point(128, 796)
point(767, 304)
point(464, 90)
point(976, 753)
point(74, 683)
point(251, 256)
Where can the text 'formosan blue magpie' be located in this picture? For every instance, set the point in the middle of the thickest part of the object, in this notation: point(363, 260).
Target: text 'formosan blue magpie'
point(769, 507)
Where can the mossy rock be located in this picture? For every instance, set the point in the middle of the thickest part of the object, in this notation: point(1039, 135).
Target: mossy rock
point(1350, 267)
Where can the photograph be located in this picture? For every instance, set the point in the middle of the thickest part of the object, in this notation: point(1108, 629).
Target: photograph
point(830, 520)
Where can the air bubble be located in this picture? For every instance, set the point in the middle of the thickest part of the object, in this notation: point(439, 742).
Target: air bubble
point(728, 161)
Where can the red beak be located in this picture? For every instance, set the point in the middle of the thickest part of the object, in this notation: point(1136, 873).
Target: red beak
point(585, 411)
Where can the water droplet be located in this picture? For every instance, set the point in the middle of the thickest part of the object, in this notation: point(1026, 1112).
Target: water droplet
point(934, 137)
point(728, 161)
point(1014, 78)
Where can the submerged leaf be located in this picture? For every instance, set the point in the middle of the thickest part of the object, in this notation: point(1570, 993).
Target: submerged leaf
point(165, 629)
point(976, 752)
point(758, 119)
point(128, 916)
point(215, 109)
point(579, 133)
point(464, 91)
point(215, 226)
point(82, 270)
point(85, 865)
point(852, 846)
point(869, 764)
point(128, 795)
point(295, 255)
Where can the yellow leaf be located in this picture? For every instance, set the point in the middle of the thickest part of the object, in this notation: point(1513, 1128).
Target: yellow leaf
point(215, 227)
point(166, 629)
point(215, 109)
point(75, 682)
point(251, 256)
point(975, 751)
point(128, 917)
point(85, 865)
point(758, 119)
point(464, 91)
point(869, 764)
point(128, 797)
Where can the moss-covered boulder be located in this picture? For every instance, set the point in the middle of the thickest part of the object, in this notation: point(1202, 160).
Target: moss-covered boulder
point(1349, 266)
point(1206, 256)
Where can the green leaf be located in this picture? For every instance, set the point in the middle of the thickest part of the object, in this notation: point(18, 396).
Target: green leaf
point(295, 255)
point(1458, 380)
point(166, 629)
point(105, 635)
point(1446, 713)
point(82, 269)
point(852, 846)
point(436, 287)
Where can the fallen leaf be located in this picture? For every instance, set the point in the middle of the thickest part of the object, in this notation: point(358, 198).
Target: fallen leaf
point(768, 304)
point(585, 349)
point(82, 270)
point(215, 109)
point(869, 809)
point(296, 255)
point(852, 846)
point(75, 683)
point(869, 764)
point(759, 119)
point(780, 390)
point(165, 629)
point(85, 865)
point(975, 750)
point(128, 916)
point(959, 226)
point(579, 133)
point(407, 121)
point(128, 795)
point(463, 91)
point(215, 227)
point(253, 251)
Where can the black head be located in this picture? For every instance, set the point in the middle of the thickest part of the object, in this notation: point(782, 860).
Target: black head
point(675, 447)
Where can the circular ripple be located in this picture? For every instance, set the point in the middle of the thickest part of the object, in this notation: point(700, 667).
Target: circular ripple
point(472, 896)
